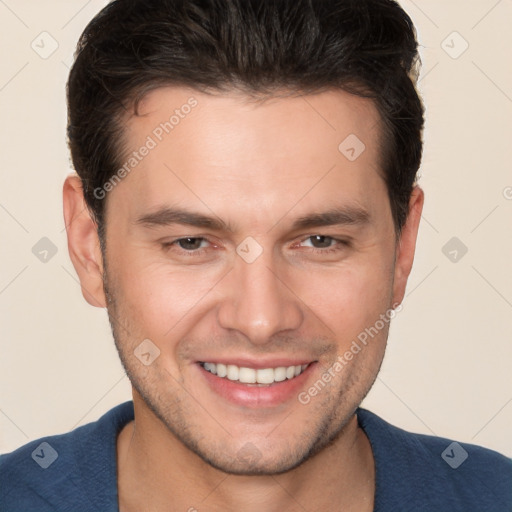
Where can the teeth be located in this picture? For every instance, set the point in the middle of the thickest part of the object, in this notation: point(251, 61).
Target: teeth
point(211, 367)
point(265, 376)
point(252, 376)
point(247, 375)
point(233, 372)
point(221, 369)
point(280, 374)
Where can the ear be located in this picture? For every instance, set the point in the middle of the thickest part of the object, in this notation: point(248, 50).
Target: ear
point(407, 245)
point(83, 242)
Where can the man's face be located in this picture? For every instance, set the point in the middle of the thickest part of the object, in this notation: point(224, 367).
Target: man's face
point(269, 282)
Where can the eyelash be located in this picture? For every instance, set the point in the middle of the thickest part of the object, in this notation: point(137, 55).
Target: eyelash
point(339, 245)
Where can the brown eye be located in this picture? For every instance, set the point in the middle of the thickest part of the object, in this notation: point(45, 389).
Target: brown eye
point(190, 243)
point(321, 241)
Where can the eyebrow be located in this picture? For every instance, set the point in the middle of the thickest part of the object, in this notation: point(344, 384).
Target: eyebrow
point(167, 216)
point(346, 215)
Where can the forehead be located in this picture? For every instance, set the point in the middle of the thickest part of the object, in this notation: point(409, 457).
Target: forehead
point(225, 150)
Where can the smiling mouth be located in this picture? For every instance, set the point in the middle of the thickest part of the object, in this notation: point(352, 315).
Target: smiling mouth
point(252, 376)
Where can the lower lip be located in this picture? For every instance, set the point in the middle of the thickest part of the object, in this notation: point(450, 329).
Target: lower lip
point(256, 396)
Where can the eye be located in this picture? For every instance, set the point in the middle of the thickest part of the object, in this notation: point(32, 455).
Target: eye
point(324, 246)
point(197, 249)
point(190, 243)
point(321, 241)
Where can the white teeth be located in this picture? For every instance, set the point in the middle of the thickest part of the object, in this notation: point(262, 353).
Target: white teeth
point(251, 376)
point(265, 376)
point(280, 374)
point(221, 369)
point(247, 375)
point(232, 372)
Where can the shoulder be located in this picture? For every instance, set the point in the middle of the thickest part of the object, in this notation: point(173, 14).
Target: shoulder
point(59, 472)
point(421, 472)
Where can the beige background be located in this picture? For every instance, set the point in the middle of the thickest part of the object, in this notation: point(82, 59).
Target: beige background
point(449, 362)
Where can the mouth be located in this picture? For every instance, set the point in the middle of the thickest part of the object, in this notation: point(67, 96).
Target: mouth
point(254, 376)
point(256, 385)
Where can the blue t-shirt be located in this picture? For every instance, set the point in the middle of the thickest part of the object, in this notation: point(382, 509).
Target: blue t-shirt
point(76, 471)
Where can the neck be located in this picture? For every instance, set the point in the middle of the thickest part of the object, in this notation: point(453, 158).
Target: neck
point(155, 469)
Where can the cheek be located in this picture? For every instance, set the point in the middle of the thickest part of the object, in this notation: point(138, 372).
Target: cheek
point(158, 298)
point(348, 299)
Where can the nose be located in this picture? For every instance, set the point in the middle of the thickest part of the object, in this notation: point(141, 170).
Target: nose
point(258, 301)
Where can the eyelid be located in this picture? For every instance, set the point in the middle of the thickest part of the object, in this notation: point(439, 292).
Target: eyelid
point(176, 240)
point(171, 240)
point(341, 241)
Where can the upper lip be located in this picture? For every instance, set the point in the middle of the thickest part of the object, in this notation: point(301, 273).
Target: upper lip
point(258, 363)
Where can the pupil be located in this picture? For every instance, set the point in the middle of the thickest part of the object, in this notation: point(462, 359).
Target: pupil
point(321, 241)
point(190, 243)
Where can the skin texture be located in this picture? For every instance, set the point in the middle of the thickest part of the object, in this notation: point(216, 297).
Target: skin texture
point(258, 167)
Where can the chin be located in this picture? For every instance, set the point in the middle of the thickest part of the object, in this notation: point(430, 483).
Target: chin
point(249, 461)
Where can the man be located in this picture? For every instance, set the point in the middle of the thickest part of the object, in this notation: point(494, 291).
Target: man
point(246, 210)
